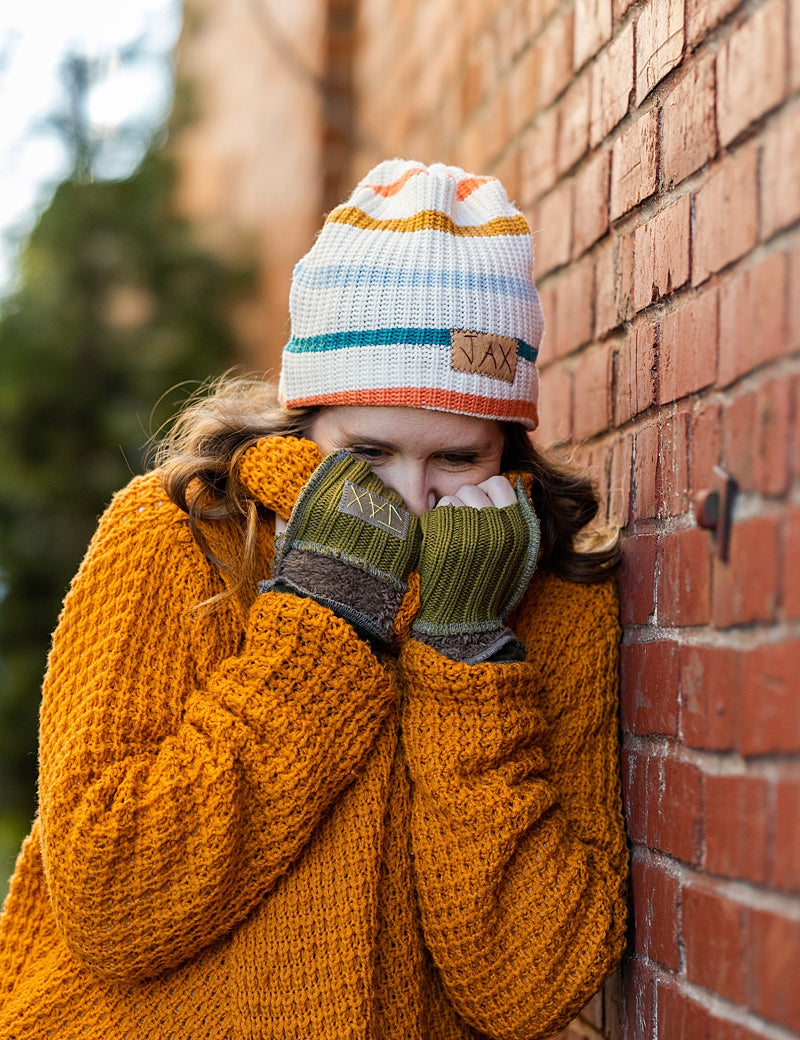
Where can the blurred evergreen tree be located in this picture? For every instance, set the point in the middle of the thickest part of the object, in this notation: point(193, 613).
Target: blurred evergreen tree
point(116, 305)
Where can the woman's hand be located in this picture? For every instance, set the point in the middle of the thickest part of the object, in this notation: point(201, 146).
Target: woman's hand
point(478, 551)
point(349, 544)
point(496, 491)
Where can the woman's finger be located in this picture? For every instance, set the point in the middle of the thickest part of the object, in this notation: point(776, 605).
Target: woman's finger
point(499, 490)
point(469, 495)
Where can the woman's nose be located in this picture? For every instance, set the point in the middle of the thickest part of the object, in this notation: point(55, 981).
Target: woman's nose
point(413, 489)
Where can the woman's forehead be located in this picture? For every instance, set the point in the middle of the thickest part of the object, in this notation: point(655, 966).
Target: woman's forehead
point(396, 425)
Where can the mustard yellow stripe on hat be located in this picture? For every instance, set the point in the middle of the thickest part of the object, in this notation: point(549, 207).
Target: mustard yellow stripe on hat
point(428, 220)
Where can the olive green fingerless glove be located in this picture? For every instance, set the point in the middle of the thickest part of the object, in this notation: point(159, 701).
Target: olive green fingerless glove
point(350, 544)
point(474, 567)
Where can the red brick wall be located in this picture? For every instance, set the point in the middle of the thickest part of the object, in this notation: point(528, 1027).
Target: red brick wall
point(655, 147)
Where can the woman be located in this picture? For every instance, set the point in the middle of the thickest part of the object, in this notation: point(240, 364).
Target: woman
point(360, 781)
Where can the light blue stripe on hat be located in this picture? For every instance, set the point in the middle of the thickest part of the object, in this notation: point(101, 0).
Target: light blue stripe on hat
point(343, 276)
point(382, 338)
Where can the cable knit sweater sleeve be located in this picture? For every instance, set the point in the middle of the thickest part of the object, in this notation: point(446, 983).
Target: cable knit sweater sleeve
point(186, 756)
point(517, 828)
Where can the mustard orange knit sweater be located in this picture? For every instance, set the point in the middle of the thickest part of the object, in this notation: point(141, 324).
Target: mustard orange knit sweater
point(252, 827)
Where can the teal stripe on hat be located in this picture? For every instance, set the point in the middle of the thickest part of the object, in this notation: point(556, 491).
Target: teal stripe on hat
point(385, 338)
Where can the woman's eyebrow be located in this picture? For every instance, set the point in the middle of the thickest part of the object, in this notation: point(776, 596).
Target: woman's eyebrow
point(372, 442)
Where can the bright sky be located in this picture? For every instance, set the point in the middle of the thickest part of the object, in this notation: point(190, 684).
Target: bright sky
point(35, 36)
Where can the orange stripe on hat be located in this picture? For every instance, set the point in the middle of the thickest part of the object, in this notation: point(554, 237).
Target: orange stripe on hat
point(469, 184)
point(423, 397)
point(387, 190)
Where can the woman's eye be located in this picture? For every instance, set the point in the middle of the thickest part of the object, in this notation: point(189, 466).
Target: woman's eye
point(365, 452)
point(460, 460)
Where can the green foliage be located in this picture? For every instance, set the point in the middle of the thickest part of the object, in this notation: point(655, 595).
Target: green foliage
point(117, 305)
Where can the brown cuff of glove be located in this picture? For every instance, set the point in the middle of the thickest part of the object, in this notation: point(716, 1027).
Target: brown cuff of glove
point(357, 597)
point(495, 647)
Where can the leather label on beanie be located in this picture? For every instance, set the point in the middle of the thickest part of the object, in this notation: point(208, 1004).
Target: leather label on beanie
point(483, 354)
point(374, 509)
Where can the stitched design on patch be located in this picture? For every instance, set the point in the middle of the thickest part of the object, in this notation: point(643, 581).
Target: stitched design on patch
point(374, 509)
point(483, 354)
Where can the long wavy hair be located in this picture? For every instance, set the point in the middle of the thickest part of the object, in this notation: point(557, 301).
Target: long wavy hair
point(198, 462)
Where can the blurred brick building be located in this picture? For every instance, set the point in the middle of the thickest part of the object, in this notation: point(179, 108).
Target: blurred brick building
point(655, 147)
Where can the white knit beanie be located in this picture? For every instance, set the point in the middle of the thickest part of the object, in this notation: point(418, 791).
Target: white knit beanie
point(418, 292)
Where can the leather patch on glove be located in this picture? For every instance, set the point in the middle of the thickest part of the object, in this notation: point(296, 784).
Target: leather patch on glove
point(374, 509)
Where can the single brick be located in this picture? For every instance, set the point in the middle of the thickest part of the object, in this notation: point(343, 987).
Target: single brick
point(744, 588)
point(573, 317)
point(626, 267)
point(612, 83)
point(713, 937)
point(494, 122)
point(684, 569)
point(522, 87)
point(634, 375)
point(591, 381)
point(619, 492)
point(555, 47)
point(552, 229)
point(726, 213)
point(770, 707)
point(471, 86)
point(649, 683)
point(659, 43)
point(590, 203)
point(688, 123)
point(634, 164)
point(656, 899)
point(675, 451)
point(637, 579)
point(605, 288)
point(705, 446)
point(786, 869)
point(555, 404)
point(677, 827)
point(739, 441)
point(737, 827)
point(538, 157)
point(687, 359)
point(780, 172)
point(573, 125)
point(640, 999)
point(709, 696)
point(592, 29)
point(751, 70)
point(646, 471)
point(661, 248)
point(752, 318)
point(639, 790)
